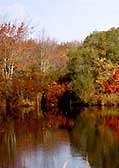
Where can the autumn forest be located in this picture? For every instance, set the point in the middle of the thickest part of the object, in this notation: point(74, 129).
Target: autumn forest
point(48, 76)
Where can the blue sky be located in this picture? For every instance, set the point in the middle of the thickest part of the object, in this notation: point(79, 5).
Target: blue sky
point(63, 20)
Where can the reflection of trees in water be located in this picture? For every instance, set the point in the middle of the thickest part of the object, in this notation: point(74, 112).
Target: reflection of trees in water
point(56, 119)
point(36, 145)
point(8, 146)
point(14, 137)
point(92, 139)
point(27, 140)
point(41, 145)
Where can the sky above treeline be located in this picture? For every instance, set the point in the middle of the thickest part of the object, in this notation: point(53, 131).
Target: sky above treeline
point(62, 20)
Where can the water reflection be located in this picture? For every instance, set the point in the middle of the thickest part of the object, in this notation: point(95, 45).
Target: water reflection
point(8, 146)
point(92, 143)
point(95, 138)
point(30, 144)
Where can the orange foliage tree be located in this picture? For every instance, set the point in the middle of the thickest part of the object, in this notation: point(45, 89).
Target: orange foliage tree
point(10, 36)
point(55, 91)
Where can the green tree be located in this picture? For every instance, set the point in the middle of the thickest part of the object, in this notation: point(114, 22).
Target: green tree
point(93, 62)
point(106, 43)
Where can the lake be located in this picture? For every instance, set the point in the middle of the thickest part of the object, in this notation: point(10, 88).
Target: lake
point(93, 142)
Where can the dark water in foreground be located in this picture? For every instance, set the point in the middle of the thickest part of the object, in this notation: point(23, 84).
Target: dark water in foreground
point(92, 143)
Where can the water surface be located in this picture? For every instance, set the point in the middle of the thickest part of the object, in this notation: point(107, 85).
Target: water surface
point(93, 142)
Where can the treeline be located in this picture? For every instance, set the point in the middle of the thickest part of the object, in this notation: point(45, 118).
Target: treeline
point(28, 68)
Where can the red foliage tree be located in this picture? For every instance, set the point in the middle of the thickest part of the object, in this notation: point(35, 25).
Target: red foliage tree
point(114, 87)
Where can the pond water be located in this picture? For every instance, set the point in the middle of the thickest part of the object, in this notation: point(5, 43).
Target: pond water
point(93, 142)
